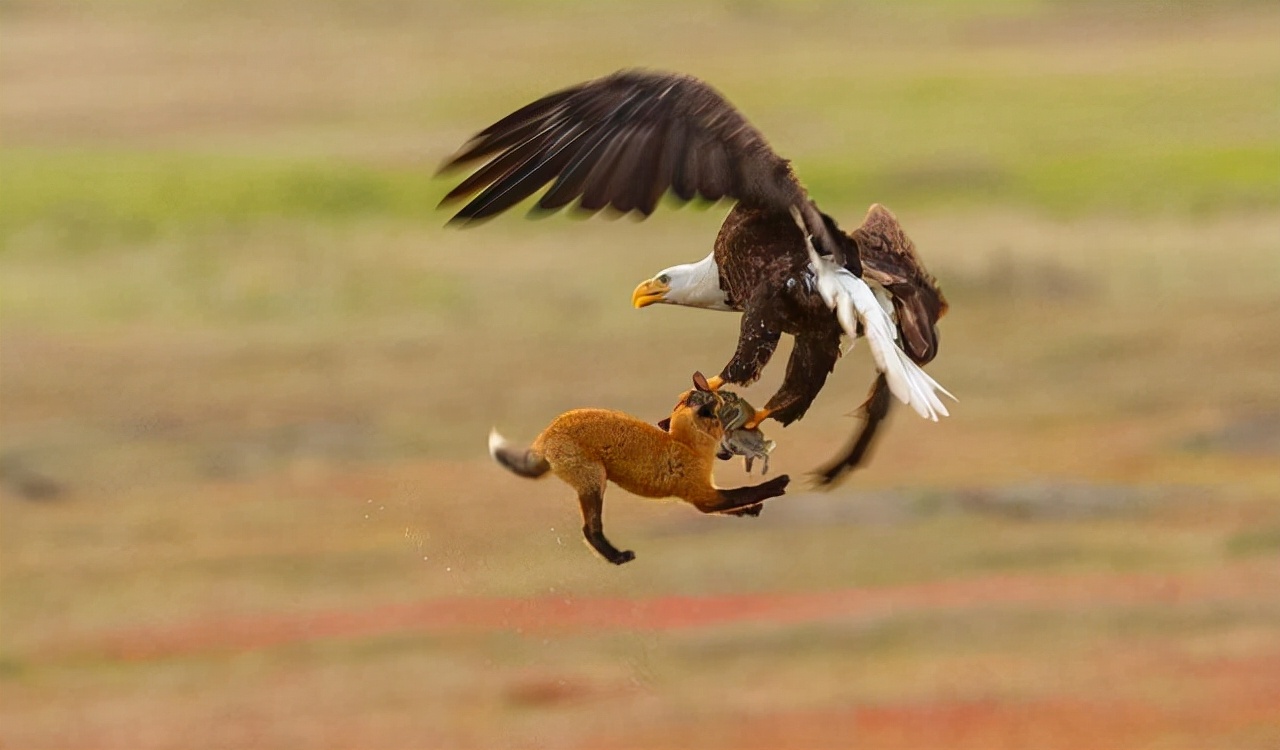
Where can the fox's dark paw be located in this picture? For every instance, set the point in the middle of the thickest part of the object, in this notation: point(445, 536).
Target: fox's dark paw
point(623, 557)
point(724, 454)
point(777, 485)
point(750, 510)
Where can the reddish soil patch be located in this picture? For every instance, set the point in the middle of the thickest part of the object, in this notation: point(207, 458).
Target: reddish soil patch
point(560, 614)
point(1047, 724)
point(1226, 702)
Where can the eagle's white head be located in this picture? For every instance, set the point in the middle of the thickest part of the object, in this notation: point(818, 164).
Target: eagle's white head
point(690, 285)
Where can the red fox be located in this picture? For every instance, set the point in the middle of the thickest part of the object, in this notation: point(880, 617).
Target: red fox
point(586, 448)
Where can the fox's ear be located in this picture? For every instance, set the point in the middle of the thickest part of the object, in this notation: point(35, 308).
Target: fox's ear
point(700, 382)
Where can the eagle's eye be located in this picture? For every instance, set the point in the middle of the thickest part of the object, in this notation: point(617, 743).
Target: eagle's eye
point(664, 279)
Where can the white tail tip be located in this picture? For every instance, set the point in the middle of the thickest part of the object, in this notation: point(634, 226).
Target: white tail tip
point(496, 442)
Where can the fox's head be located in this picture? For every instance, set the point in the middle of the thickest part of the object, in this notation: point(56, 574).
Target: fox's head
point(700, 407)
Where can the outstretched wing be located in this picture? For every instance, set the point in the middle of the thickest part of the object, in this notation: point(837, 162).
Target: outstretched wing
point(889, 258)
point(623, 141)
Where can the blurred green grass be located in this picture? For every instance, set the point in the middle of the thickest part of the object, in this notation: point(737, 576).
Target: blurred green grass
point(90, 198)
point(87, 198)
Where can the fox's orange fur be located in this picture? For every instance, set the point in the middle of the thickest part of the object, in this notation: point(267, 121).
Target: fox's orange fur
point(588, 447)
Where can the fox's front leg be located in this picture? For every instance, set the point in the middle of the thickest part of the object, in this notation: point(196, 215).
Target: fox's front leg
point(745, 498)
point(592, 502)
point(741, 501)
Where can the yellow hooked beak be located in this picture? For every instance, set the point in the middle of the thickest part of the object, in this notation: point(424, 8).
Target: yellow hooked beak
point(649, 292)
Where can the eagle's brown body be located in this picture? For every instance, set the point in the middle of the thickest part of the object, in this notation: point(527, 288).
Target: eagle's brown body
point(765, 270)
point(586, 448)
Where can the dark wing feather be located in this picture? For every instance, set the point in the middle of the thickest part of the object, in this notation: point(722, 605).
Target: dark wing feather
point(622, 141)
point(509, 130)
point(500, 195)
point(573, 177)
point(889, 257)
point(596, 194)
point(684, 178)
point(716, 172)
point(632, 112)
point(875, 410)
point(493, 172)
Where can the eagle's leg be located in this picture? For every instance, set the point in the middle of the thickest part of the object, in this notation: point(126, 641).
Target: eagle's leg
point(760, 416)
point(812, 360)
point(757, 340)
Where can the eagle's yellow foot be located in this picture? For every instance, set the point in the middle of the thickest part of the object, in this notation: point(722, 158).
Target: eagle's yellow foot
point(714, 382)
point(760, 416)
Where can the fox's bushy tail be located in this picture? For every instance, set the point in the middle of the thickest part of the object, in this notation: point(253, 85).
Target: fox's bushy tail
point(525, 463)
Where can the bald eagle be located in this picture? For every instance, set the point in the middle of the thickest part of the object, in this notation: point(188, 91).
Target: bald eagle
point(624, 140)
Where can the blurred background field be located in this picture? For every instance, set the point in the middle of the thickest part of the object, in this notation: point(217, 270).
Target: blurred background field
point(246, 377)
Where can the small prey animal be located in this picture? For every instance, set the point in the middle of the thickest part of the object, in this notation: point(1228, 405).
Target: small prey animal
point(738, 440)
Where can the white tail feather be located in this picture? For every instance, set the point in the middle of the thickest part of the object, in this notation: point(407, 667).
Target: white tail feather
point(854, 301)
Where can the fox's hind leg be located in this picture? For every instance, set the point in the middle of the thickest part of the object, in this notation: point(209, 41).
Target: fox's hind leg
point(592, 502)
point(588, 477)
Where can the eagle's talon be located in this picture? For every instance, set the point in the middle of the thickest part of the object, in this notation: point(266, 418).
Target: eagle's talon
point(760, 416)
